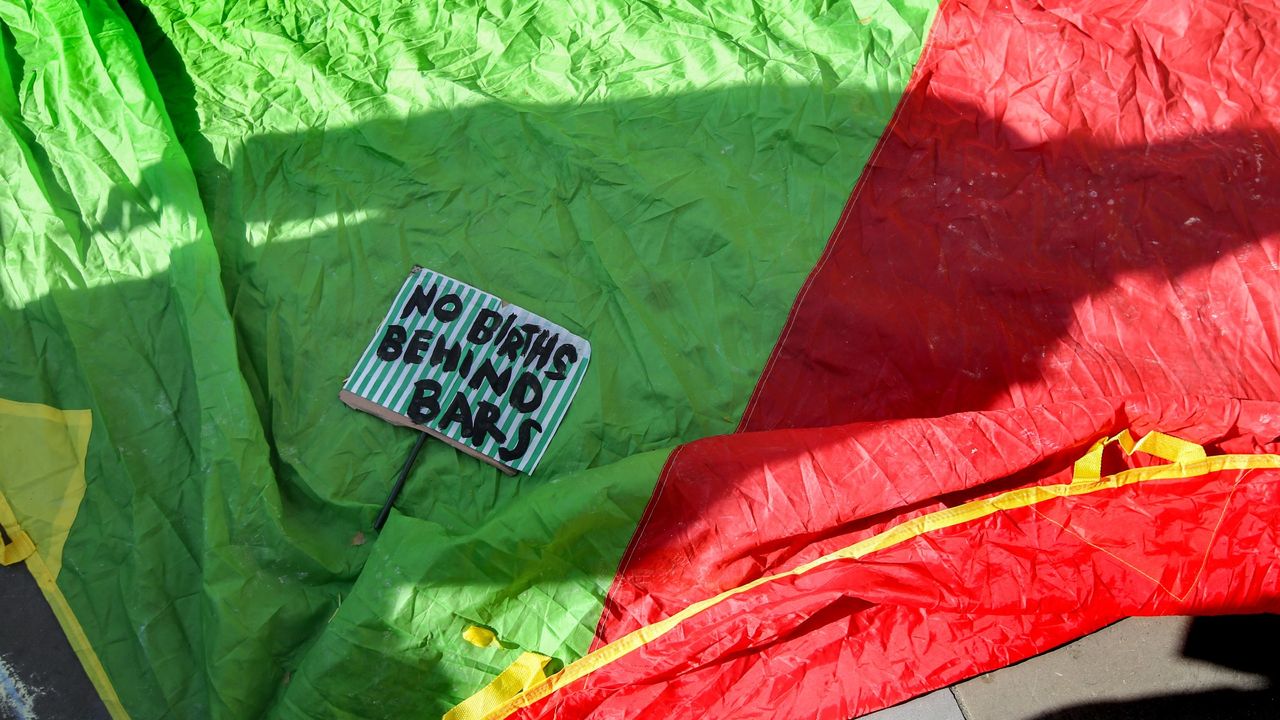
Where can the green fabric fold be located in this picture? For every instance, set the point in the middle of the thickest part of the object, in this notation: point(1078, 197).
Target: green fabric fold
point(210, 206)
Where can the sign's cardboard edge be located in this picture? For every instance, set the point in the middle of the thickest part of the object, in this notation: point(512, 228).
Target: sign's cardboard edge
point(355, 402)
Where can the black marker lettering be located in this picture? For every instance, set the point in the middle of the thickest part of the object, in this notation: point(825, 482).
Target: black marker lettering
point(484, 326)
point(540, 350)
point(425, 402)
point(486, 424)
point(448, 308)
point(530, 330)
point(418, 346)
point(419, 302)
point(502, 331)
point(446, 356)
point(498, 382)
point(528, 427)
point(459, 412)
point(520, 399)
point(566, 355)
point(510, 347)
point(392, 342)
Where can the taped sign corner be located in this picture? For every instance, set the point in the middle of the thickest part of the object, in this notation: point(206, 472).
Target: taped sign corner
point(484, 375)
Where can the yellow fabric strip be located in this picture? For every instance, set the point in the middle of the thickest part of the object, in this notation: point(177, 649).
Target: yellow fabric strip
point(522, 674)
point(18, 548)
point(898, 534)
point(75, 636)
point(1168, 447)
point(1165, 447)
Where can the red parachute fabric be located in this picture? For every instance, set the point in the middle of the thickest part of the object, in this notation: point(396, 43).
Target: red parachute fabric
point(1075, 200)
point(939, 605)
point(1069, 229)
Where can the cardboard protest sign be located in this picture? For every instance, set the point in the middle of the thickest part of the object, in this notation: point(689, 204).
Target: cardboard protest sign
point(490, 378)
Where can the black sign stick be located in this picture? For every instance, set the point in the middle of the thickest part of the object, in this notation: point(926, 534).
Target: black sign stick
point(395, 490)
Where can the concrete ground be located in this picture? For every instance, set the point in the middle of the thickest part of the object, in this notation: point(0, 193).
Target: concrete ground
point(1140, 669)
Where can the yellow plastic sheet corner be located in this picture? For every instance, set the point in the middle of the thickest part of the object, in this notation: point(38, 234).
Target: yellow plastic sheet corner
point(42, 483)
point(480, 637)
point(42, 473)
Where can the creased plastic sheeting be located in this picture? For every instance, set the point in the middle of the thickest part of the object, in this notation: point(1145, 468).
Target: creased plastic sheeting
point(110, 302)
point(1076, 200)
point(943, 601)
point(403, 623)
point(659, 179)
point(656, 179)
point(1075, 203)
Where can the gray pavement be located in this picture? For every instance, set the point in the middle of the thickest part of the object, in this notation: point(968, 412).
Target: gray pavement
point(1223, 668)
point(937, 705)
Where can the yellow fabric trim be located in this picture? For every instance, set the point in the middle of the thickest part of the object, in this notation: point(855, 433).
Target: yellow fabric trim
point(1168, 447)
point(76, 638)
point(898, 534)
point(524, 673)
point(18, 548)
point(45, 450)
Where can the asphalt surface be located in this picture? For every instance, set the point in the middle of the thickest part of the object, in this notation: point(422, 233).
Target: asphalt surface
point(1175, 668)
point(40, 676)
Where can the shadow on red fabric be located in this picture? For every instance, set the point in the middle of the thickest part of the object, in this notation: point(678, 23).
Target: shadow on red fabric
point(1069, 229)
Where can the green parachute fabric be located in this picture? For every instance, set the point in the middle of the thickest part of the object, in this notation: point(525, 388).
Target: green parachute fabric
point(208, 207)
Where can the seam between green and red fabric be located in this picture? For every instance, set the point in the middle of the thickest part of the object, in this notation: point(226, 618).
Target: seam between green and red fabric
point(915, 81)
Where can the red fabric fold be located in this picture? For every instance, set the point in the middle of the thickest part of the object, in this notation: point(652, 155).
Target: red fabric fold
point(1070, 228)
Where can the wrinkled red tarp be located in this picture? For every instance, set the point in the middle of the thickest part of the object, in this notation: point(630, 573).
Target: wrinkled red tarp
point(859, 635)
point(1070, 228)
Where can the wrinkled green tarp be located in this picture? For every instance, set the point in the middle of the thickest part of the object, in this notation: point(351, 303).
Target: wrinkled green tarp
point(209, 205)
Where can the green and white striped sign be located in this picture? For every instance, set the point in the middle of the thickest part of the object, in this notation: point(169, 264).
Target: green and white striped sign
point(492, 379)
